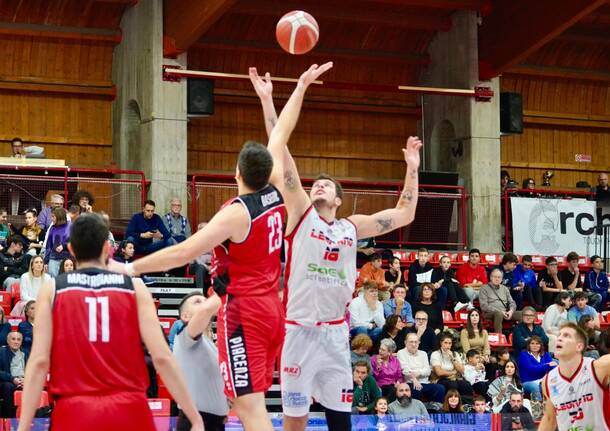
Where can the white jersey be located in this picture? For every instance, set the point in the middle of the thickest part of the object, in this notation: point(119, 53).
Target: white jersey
point(581, 403)
point(320, 269)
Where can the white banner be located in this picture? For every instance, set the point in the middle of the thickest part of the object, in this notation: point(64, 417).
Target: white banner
point(555, 227)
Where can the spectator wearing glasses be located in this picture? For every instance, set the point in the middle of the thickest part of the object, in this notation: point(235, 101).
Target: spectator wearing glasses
point(428, 302)
point(526, 330)
point(602, 191)
point(177, 224)
point(416, 371)
point(524, 275)
point(426, 335)
point(549, 282)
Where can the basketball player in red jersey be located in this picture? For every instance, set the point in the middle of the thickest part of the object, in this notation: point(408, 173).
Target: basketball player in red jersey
point(247, 233)
point(89, 329)
point(576, 391)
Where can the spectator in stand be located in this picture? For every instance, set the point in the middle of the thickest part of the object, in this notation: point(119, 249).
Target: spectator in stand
point(507, 383)
point(444, 278)
point(525, 330)
point(453, 402)
point(26, 328)
point(515, 416)
point(497, 304)
point(602, 191)
point(44, 218)
point(147, 230)
point(73, 213)
point(67, 265)
point(393, 276)
point(381, 418)
point(473, 336)
point(111, 240)
point(371, 272)
point(399, 306)
point(416, 370)
point(604, 342)
point(406, 407)
point(395, 330)
point(361, 344)
point(555, 316)
point(177, 225)
point(570, 276)
point(496, 364)
point(427, 302)
point(18, 150)
point(525, 275)
point(5, 328)
point(127, 250)
point(507, 266)
point(474, 372)
point(587, 324)
point(596, 281)
point(504, 180)
point(534, 363)
point(57, 241)
point(32, 233)
point(30, 284)
point(580, 308)
point(366, 390)
point(448, 367)
point(12, 371)
point(549, 282)
point(84, 200)
point(420, 272)
point(426, 335)
point(5, 228)
point(472, 275)
point(13, 262)
point(366, 313)
point(529, 184)
point(479, 405)
point(386, 367)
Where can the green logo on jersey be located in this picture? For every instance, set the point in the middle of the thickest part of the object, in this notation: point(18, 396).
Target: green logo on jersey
point(331, 272)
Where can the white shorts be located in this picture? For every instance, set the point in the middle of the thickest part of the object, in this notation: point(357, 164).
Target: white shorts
point(315, 363)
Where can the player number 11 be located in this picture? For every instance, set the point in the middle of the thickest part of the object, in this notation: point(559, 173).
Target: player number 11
point(93, 302)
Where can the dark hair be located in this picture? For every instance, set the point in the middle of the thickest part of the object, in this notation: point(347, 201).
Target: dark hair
point(516, 378)
point(3, 210)
point(536, 338)
point(338, 188)
point(82, 194)
point(580, 295)
point(14, 239)
point(363, 364)
point(444, 336)
point(88, 235)
point(550, 260)
point(27, 307)
point(474, 250)
point(470, 328)
point(255, 165)
point(561, 296)
point(60, 216)
point(391, 322)
point(582, 324)
point(369, 285)
point(504, 173)
point(526, 258)
point(16, 140)
point(422, 250)
point(393, 259)
point(421, 292)
point(572, 256)
point(379, 399)
point(123, 245)
point(186, 298)
point(149, 202)
point(74, 209)
point(63, 262)
point(509, 258)
point(375, 256)
point(594, 258)
point(471, 353)
point(32, 211)
point(451, 393)
point(526, 182)
point(478, 398)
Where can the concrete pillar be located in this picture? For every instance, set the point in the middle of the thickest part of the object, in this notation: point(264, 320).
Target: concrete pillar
point(462, 134)
point(149, 114)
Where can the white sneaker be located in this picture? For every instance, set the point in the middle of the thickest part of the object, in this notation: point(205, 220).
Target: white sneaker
point(470, 306)
point(459, 306)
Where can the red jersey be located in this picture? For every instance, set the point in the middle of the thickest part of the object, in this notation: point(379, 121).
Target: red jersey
point(97, 346)
point(252, 267)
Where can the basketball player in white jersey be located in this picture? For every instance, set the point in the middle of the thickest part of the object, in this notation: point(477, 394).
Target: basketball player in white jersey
point(576, 391)
point(321, 275)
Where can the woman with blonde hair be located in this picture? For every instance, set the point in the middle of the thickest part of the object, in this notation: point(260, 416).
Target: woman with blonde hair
point(30, 284)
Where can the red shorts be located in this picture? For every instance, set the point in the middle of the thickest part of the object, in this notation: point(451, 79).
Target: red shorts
point(118, 411)
point(250, 333)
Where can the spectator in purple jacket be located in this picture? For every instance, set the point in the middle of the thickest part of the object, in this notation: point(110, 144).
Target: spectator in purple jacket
point(386, 367)
point(44, 218)
point(57, 241)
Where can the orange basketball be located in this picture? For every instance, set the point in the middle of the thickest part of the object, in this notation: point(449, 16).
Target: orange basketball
point(297, 32)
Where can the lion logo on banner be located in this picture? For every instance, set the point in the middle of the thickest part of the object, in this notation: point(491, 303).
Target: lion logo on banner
point(543, 226)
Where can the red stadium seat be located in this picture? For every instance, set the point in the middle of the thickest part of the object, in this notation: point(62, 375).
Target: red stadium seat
point(462, 257)
point(16, 291)
point(6, 302)
point(405, 276)
point(539, 317)
point(497, 340)
point(160, 408)
point(448, 320)
point(462, 317)
point(604, 319)
point(166, 323)
point(402, 255)
point(491, 259)
point(15, 321)
point(538, 260)
point(584, 263)
point(44, 400)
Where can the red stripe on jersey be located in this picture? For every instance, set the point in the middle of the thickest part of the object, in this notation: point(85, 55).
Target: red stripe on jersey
point(606, 397)
point(569, 380)
point(290, 241)
point(299, 223)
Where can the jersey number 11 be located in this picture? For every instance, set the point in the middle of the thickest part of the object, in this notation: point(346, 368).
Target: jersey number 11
point(93, 302)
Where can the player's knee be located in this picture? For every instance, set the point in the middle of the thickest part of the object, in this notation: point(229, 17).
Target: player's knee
point(338, 421)
point(295, 423)
point(250, 404)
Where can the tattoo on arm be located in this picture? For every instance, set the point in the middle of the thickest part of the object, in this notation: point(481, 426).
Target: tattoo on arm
point(272, 121)
point(384, 224)
point(290, 180)
point(413, 174)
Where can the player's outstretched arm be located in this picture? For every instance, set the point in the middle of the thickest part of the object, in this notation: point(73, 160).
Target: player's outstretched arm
point(549, 420)
point(387, 220)
point(264, 91)
point(602, 369)
point(230, 222)
point(38, 364)
point(165, 364)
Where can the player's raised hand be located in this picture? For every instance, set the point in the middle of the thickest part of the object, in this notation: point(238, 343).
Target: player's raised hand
point(313, 73)
point(411, 151)
point(262, 86)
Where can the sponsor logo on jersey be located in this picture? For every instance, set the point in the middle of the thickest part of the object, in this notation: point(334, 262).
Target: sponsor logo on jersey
point(294, 399)
point(329, 272)
point(320, 235)
point(347, 396)
point(269, 198)
point(575, 404)
point(554, 390)
point(292, 370)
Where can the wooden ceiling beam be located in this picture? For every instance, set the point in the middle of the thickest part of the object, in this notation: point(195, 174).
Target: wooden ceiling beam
point(590, 37)
point(442, 4)
point(331, 53)
point(60, 32)
point(355, 12)
point(559, 72)
point(185, 21)
point(518, 28)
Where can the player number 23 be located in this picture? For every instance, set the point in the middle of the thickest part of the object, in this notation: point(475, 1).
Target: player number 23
point(274, 223)
point(93, 303)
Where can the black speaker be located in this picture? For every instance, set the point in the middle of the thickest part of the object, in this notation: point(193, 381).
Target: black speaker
point(511, 113)
point(200, 96)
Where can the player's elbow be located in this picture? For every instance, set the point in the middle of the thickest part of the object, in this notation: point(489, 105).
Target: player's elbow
point(162, 360)
point(39, 364)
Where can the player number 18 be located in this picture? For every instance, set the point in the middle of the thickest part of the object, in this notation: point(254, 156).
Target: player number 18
point(93, 302)
point(274, 223)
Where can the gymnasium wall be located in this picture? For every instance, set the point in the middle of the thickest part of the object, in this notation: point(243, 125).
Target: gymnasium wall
point(56, 92)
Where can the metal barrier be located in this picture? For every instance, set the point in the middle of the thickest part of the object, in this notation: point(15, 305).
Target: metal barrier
point(440, 220)
point(120, 193)
point(533, 193)
point(602, 248)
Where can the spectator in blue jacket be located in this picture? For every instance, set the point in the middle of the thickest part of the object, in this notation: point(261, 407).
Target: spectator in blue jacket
point(526, 330)
point(147, 230)
point(596, 281)
point(399, 305)
point(525, 276)
point(12, 372)
point(26, 328)
point(534, 363)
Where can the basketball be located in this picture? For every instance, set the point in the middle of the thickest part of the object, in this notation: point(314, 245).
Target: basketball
point(297, 32)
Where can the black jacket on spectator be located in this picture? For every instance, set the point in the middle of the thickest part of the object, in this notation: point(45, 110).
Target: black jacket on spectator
point(27, 330)
point(15, 265)
point(522, 416)
point(6, 356)
point(566, 278)
point(434, 312)
point(427, 342)
point(5, 328)
point(416, 269)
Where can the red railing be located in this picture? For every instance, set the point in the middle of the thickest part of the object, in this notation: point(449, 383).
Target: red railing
point(535, 194)
point(444, 205)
